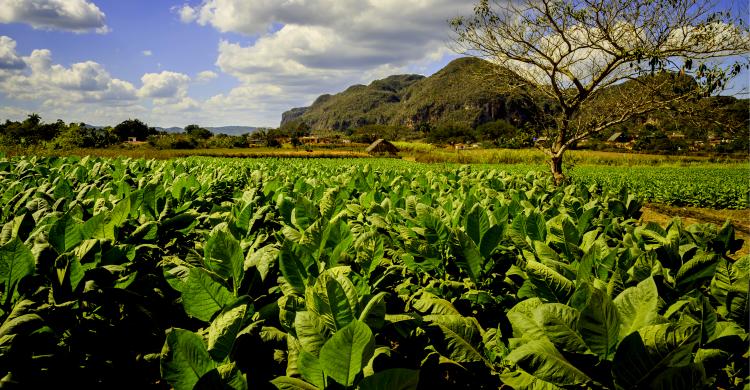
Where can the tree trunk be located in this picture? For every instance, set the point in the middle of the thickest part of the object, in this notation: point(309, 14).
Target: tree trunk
point(555, 164)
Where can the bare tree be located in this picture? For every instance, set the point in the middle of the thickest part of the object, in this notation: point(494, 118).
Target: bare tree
point(604, 62)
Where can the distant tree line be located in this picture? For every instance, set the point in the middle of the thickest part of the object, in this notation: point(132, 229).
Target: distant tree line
point(33, 132)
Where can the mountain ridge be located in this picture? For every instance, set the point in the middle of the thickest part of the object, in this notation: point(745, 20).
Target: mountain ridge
point(456, 93)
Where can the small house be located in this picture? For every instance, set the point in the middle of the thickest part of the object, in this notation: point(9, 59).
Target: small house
point(382, 146)
point(132, 140)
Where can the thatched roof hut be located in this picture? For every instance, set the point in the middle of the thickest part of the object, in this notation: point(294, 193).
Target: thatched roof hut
point(382, 146)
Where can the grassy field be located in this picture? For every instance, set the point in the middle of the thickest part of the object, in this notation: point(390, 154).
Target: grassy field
point(427, 153)
point(410, 151)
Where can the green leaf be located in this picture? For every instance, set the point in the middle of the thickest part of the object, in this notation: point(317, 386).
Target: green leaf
point(558, 322)
point(548, 283)
point(203, 296)
point(637, 307)
point(477, 223)
point(471, 260)
point(347, 352)
point(522, 380)
point(16, 261)
point(329, 299)
point(536, 227)
point(224, 329)
point(288, 383)
point(699, 269)
point(184, 359)
point(599, 324)
point(491, 239)
point(311, 331)
point(223, 255)
point(374, 312)
point(392, 379)
point(310, 368)
point(262, 259)
point(462, 337)
point(726, 275)
point(542, 360)
point(293, 271)
point(521, 318)
point(429, 303)
point(644, 355)
point(65, 234)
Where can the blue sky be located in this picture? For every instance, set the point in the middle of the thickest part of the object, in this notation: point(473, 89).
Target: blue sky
point(211, 62)
point(210, 67)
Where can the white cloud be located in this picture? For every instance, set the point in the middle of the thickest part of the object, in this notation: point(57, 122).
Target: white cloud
point(41, 80)
point(187, 14)
point(164, 85)
point(147, 53)
point(206, 76)
point(8, 57)
point(67, 15)
point(304, 48)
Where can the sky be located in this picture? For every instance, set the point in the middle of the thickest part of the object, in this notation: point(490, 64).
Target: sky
point(210, 62)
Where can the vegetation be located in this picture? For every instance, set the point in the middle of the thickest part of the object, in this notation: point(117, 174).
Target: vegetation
point(455, 94)
point(371, 274)
point(605, 62)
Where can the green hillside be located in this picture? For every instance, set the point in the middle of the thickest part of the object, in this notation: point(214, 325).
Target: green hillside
point(457, 93)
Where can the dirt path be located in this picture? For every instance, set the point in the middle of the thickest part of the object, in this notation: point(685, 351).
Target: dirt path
point(662, 214)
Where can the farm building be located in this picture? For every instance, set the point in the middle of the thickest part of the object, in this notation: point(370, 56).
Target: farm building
point(382, 146)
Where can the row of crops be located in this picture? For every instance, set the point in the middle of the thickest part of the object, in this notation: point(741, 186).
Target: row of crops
point(718, 187)
point(207, 273)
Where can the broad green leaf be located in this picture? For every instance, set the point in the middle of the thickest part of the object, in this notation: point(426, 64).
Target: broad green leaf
point(328, 298)
point(536, 227)
point(469, 259)
point(644, 355)
point(542, 360)
point(430, 304)
point(20, 320)
point(700, 268)
point(184, 359)
point(521, 318)
point(223, 255)
point(462, 337)
point(548, 283)
point(288, 383)
point(521, 380)
point(599, 324)
point(223, 331)
point(558, 323)
point(477, 223)
point(16, 261)
point(392, 379)
point(65, 234)
point(293, 271)
point(374, 312)
point(726, 275)
point(345, 354)
point(491, 239)
point(637, 307)
point(310, 368)
point(311, 331)
point(203, 296)
point(262, 259)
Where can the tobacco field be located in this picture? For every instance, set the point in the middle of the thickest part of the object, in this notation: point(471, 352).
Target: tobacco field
point(341, 274)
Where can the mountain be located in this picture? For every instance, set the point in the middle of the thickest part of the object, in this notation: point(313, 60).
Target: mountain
point(228, 130)
point(457, 93)
point(232, 130)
